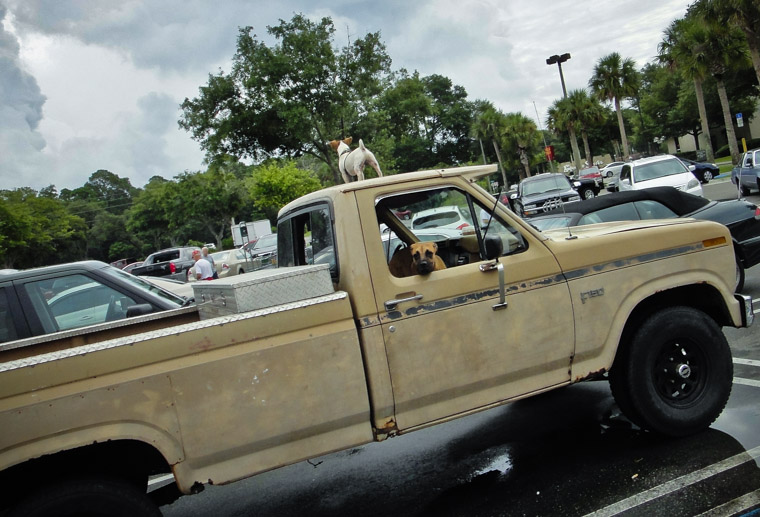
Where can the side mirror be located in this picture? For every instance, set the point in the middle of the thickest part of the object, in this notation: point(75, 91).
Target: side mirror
point(139, 309)
point(513, 196)
point(576, 183)
point(692, 168)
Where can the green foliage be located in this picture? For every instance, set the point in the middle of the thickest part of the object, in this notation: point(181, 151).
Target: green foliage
point(36, 230)
point(288, 99)
point(273, 185)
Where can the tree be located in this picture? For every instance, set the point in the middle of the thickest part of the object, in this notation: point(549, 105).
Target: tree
point(743, 14)
point(521, 135)
point(288, 99)
point(615, 79)
point(489, 125)
point(275, 184)
point(37, 231)
point(683, 50)
point(149, 218)
point(561, 118)
point(587, 113)
point(210, 200)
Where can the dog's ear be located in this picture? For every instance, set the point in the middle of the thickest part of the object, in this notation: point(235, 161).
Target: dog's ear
point(334, 144)
point(348, 140)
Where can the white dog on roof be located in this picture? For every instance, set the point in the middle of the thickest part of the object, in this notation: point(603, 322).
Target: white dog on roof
point(352, 163)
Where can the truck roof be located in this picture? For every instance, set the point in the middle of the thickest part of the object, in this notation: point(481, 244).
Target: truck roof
point(471, 173)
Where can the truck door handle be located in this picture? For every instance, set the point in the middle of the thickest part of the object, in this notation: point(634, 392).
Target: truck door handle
point(497, 266)
point(391, 304)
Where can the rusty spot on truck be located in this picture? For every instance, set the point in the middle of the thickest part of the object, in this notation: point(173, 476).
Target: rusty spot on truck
point(386, 429)
point(591, 375)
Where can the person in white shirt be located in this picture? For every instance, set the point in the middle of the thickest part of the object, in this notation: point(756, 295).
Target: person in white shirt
point(203, 269)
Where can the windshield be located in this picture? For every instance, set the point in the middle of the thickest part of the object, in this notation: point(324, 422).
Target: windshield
point(656, 170)
point(266, 241)
point(144, 285)
point(543, 185)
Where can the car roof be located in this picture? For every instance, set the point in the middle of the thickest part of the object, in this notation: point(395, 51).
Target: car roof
point(679, 202)
point(653, 159)
point(86, 265)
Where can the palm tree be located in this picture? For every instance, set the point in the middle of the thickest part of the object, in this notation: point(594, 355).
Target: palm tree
point(488, 125)
point(680, 51)
point(614, 79)
point(561, 119)
point(587, 112)
point(521, 134)
point(743, 14)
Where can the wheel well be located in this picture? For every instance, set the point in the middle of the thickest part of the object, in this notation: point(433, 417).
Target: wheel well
point(704, 297)
point(131, 460)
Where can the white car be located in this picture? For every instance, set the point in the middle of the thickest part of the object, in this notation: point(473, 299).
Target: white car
point(658, 171)
point(442, 217)
point(611, 169)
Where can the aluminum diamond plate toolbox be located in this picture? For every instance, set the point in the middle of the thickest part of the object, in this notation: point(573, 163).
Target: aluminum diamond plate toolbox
point(261, 289)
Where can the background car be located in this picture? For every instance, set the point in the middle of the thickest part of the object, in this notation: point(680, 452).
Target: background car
point(747, 173)
point(543, 193)
point(441, 217)
point(231, 262)
point(130, 267)
point(265, 249)
point(702, 170)
point(40, 301)
point(658, 171)
point(167, 263)
point(740, 216)
point(611, 169)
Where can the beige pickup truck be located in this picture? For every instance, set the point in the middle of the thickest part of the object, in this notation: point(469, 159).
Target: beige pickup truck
point(256, 380)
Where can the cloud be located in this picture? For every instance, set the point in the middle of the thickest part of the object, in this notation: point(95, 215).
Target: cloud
point(94, 84)
point(21, 105)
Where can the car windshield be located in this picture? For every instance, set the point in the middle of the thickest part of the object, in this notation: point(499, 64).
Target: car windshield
point(143, 284)
point(650, 171)
point(437, 219)
point(266, 241)
point(543, 185)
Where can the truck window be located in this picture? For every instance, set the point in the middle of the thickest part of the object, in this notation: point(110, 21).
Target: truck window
point(307, 237)
point(462, 228)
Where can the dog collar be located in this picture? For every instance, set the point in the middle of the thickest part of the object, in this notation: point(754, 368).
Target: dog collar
point(345, 151)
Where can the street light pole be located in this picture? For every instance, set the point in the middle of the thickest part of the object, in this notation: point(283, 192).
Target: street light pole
point(559, 60)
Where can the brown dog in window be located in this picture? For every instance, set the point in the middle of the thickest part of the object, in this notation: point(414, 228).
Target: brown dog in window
point(418, 259)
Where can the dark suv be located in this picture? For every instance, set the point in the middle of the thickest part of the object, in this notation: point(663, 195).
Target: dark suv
point(542, 193)
point(171, 263)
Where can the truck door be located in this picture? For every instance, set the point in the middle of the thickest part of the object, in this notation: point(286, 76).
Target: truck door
point(452, 344)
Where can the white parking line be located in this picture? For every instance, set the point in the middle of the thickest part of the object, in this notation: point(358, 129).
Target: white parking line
point(747, 362)
point(747, 382)
point(160, 479)
point(677, 484)
point(739, 504)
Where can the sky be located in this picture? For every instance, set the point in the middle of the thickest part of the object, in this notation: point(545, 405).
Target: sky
point(97, 84)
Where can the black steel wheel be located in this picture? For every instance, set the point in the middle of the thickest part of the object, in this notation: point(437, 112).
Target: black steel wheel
point(674, 376)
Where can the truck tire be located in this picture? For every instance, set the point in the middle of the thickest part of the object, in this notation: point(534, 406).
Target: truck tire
point(674, 376)
point(87, 496)
point(587, 193)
